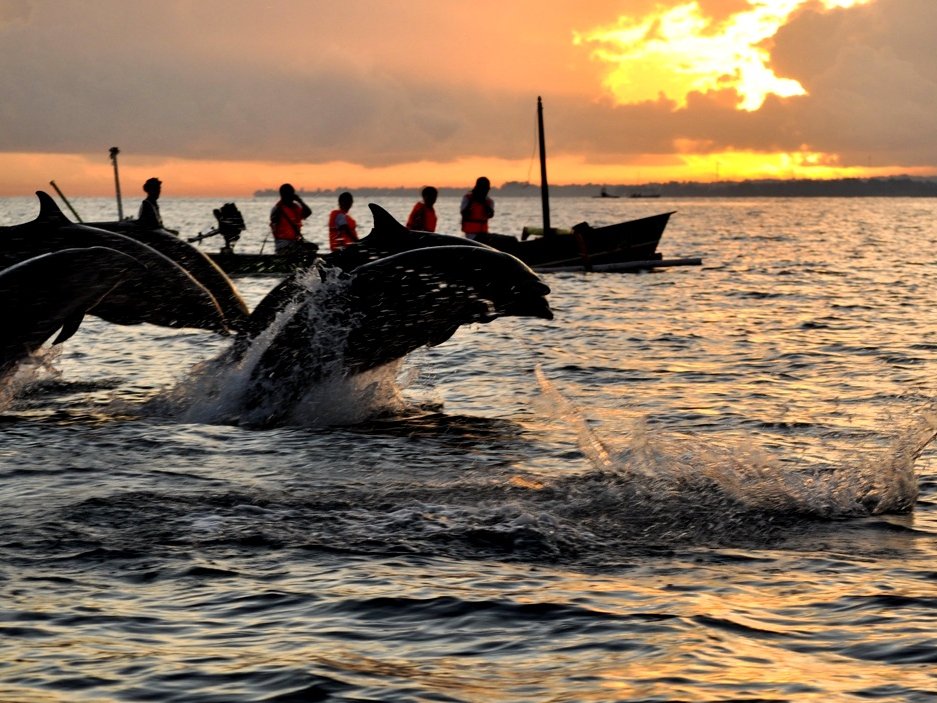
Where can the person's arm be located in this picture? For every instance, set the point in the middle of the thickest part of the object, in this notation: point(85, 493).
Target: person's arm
point(274, 217)
point(490, 207)
point(343, 226)
point(307, 211)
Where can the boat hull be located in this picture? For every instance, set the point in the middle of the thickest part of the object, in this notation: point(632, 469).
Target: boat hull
point(634, 240)
point(587, 247)
point(260, 264)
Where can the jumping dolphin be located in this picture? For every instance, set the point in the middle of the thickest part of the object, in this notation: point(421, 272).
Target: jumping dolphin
point(389, 237)
point(163, 294)
point(193, 260)
point(53, 292)
point(387, 309)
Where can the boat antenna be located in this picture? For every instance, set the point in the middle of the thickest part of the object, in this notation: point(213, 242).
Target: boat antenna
point(120, 206)
point(544, 188)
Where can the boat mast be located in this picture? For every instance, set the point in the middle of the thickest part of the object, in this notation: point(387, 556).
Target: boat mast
point(120, 206)
point(544, 188)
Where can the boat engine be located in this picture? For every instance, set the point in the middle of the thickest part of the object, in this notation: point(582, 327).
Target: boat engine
point(230, 225)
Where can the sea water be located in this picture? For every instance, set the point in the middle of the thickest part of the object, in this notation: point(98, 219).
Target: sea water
point(707, 483)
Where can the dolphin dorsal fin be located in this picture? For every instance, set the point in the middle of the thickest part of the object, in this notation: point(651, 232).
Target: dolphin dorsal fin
point(384, 222)
point(48, 209)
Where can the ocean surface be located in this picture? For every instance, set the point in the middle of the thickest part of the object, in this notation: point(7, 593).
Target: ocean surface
point(708, 483)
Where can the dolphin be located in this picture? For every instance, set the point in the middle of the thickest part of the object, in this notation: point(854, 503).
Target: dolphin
point(53, 292)
point(389, 237)
point(193, 260)
point(386, 309)
point(163, 294)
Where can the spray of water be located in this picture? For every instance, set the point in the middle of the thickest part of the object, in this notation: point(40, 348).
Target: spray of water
point(672, 471)
point(315, 393)
point(39, 366)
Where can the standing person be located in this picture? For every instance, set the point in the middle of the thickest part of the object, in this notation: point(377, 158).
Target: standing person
point(286, 221)
point(477, 208)
point(149, 217)
point(423, 216)
point(343, 230)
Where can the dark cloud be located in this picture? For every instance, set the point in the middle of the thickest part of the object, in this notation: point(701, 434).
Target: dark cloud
point(871, 75)
point(196, 81)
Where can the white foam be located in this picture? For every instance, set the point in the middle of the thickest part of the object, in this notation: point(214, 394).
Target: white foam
point(671, 468)
point(217, 391)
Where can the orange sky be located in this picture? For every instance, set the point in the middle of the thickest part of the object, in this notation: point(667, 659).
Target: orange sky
point(223, 98)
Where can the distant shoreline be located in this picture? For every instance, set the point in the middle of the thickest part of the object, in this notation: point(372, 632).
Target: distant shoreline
point(889, 187)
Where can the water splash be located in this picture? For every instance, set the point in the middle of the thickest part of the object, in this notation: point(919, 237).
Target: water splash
point(316, 393)
point(29, 371)
point(666, 472)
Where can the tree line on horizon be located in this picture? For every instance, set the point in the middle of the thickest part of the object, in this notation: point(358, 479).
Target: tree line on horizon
point(886, 186)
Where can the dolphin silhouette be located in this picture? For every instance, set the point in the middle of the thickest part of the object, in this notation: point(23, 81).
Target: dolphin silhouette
point(53, 292)
point(386, 308)
point(163, 294)
point(198, 264)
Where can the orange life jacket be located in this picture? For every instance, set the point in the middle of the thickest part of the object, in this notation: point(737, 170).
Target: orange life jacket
point(422, 218)
point(290, 222)
point(475, 215)
point(337, 238)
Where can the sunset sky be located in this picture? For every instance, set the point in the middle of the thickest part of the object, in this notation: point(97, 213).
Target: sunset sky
point(222, 97)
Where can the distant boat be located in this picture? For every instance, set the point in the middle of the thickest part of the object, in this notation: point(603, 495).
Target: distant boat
point(643, 194)
point(605, 194)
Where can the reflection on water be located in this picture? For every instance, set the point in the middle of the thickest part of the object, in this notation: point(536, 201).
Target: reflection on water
point(711, 483)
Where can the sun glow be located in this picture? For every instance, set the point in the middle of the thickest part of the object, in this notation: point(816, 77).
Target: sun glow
point(673, 52)
point(740, 165)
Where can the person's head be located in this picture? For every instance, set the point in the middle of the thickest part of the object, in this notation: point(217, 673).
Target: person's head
point(429, 195)
point(482, 186)
point(287, 193)
point(152, 187)
point(345, 201)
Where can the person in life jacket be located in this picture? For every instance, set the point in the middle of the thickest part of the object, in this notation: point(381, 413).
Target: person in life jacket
point(423, 216)
point(149, 217)
point(286, 221)
point(477, 208)
point(343, 230)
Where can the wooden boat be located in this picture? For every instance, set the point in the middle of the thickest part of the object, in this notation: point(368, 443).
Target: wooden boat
point(623, 246)
point(238, 264)
point(586, 246)
point(608, 248)
point(229, 225)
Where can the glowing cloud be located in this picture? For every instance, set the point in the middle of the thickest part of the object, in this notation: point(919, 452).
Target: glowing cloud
point(675, 51)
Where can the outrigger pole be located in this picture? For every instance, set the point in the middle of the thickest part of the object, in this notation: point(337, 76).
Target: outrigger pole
point(544, 188)
point(120, 206)
point(65, 200)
